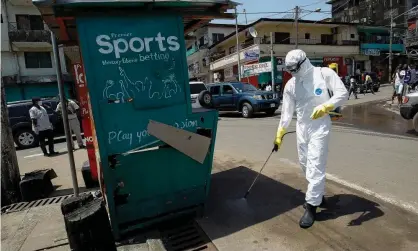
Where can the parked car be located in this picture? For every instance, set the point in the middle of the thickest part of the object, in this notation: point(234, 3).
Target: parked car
point(21, 124)
point(200, 96)
point(244, 98)
point(409, 109)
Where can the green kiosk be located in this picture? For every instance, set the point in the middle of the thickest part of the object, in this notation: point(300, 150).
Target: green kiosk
point(154, 151)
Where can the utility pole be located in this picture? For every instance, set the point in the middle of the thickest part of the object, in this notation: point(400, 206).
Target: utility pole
point(238, 49)
point(63, 100)
point(297, 26)
point(245, 13)
point(10, 175)
point(390, 42)
point(273, 82)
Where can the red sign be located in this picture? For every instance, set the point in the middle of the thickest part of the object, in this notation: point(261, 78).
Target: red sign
point(342, 71)
point(81, 86)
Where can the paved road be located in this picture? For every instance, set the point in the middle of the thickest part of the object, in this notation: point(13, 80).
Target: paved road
point(380, 164)
point(375, 162)
point(383, 163)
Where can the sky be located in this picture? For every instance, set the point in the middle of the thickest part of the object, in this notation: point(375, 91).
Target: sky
point(256, 6)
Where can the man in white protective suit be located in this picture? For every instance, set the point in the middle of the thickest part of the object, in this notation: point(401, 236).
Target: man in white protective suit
point(313, 92)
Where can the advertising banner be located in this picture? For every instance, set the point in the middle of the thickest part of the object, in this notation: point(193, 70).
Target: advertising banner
point(252, 54)
point(136, 68)
point(255, 69)
point(82, 92)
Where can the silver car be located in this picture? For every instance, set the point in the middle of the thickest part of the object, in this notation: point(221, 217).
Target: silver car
point(409, 109)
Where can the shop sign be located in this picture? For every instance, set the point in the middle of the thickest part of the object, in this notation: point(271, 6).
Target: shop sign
point(255, 69)
point(370, 52)
point(247, 55)
point(252, 54)
point(330, 60)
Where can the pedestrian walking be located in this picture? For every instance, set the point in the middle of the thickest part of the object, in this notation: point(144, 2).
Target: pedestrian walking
point(414, 78)
point(42, 127)
point(407, 79)
point(312, 92)
point(399, 83)
point(72, 110)
point(353, 88)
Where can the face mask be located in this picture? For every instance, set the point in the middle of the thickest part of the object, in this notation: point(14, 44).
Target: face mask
point(39, 103)
point(292, 69)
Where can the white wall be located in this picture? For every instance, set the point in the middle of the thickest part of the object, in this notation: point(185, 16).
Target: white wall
point(8, 61)
point(346, 31)
point(224, 30)
point(8, 64)
point(14, 10)
point(5, 46)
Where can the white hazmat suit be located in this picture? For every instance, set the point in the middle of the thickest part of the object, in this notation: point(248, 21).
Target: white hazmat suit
point(311, 89)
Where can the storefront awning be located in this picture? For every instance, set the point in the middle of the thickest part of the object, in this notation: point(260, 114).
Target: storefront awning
point(59, 14)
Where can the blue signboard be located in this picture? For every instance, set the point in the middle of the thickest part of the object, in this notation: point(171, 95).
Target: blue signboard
point(252, 54)
point(370, 52)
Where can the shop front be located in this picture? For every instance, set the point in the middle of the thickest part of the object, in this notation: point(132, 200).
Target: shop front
point(342, 67)
point(226, 68)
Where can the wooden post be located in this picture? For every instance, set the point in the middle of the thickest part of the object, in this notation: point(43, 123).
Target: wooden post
point(10, 175)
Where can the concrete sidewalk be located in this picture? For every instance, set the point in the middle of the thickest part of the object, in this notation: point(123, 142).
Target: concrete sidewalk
point(267, 221)
point(60, 164)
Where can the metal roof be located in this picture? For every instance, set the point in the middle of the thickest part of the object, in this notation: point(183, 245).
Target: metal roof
point(60, 15)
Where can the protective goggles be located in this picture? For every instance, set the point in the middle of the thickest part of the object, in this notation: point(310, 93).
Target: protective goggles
point(295, 68)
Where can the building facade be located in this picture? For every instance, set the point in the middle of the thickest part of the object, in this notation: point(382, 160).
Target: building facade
point(324, 43)
point(198, 44)
point(368, 12)
point(375, 19)
point(411, 42)
point(27, 62)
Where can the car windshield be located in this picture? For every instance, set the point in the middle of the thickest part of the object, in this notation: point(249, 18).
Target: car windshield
point(240, 87)
point(197, 88)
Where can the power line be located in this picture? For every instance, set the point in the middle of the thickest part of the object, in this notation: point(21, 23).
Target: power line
point(404, 12)
point(289, 11)
point(266, 12)
point(319, 19)
point(313, 3)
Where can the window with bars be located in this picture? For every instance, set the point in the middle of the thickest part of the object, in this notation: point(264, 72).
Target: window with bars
point(282, 38)
point(216, 37)
point(29, 22)
point(201, 41)
point(35, 60)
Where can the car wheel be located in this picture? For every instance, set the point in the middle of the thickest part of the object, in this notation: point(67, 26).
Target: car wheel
point(271, 112)
point(25, 138)
point(247, 110)
point(205, 99)
point(415, 122)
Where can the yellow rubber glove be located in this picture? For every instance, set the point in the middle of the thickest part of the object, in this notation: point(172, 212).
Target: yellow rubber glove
point(321, 110)
point(278, 141)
